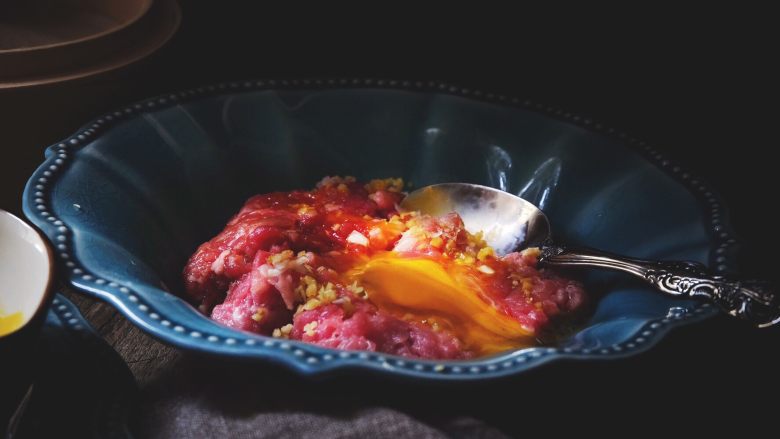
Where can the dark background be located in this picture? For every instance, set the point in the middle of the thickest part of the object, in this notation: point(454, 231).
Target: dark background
point(696, 88)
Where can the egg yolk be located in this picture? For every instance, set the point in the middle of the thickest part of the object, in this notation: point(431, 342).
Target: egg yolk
point(10, 323)
point(428, 290)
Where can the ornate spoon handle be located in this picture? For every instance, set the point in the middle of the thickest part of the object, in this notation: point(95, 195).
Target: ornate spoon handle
point(750, 300)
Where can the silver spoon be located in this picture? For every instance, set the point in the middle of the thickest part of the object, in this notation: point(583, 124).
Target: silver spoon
point(510, 223)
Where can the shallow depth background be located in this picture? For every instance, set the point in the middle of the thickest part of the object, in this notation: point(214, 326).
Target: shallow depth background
point(700, 95)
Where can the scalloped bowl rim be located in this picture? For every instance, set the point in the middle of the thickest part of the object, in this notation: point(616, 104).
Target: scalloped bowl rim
point(312, 360)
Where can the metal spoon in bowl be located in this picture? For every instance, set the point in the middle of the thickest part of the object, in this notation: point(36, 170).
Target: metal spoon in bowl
point(509, 223)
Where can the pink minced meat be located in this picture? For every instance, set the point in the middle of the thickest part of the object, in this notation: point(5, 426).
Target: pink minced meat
point(364, 327)
point(252, 276)
point(556, 295)
point(369, 329)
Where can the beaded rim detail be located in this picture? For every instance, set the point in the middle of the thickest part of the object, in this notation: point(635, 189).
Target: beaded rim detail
point(312, 359)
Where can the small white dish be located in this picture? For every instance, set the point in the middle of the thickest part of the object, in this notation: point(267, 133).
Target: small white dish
point(26, 274)
point(26, 289)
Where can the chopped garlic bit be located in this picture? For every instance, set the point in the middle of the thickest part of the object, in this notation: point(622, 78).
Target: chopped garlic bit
point(310, 305)
point(357, 238)
point(485, 269)
point(259, 314)
point(281, 258)
point(532, 252)
point(309, 328)
point(484, 253)
point(477, 239)
point(307, 288)
point(357, 290)
point(218, 266)
point(346, 304)
point(283, 332)
point(327, 293)
point(465, 259)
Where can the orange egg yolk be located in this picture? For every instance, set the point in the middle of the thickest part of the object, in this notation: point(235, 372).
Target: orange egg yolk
point(10, 323)
point(428, 290)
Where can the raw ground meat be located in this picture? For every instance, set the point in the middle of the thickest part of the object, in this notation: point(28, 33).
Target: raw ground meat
point(280, 268)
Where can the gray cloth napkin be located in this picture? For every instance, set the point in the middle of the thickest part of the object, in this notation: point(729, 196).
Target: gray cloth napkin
point(205, 399)
point(178, 418)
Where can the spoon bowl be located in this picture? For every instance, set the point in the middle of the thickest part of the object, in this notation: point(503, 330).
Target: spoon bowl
point(507, 222)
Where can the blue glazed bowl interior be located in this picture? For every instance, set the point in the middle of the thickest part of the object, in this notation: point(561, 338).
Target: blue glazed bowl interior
point(130, 201)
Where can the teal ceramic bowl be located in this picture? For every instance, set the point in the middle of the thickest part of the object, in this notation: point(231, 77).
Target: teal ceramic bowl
point(130, 196)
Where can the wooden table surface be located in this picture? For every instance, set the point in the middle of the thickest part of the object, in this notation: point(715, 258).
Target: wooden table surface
point(147, 358)
point(715, 363)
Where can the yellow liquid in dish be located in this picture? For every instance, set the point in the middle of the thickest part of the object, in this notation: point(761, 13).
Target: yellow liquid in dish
point(426, 290)
point(10, 323)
